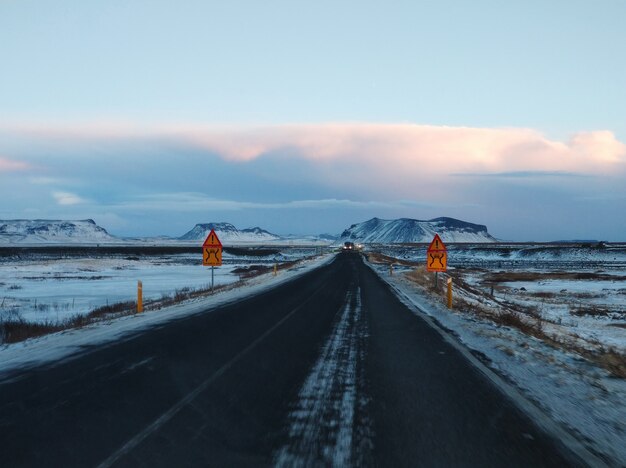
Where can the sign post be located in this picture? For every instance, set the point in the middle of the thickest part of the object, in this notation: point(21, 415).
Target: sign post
point(212, 254)
point(437, 257)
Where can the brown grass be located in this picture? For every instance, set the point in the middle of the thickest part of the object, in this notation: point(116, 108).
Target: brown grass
point(613, 361)
point(592, 311)
point(528, 320)
point(510, 276)
point(12, 331)
point(252, 271)
point(543, 294)
point(375, 257)
point(586, 295)
point(118, 308)
point(420, 276)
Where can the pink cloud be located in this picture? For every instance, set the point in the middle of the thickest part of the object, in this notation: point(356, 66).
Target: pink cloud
point(601, 143)
point(9, 165)
point(405, 149)
point(439, 149)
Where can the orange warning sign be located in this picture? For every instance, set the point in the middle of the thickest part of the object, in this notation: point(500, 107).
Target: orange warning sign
point(212, 240)
point(437, 255)
point(212, 250)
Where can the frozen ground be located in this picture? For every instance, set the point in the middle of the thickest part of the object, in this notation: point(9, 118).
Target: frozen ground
point(588, 307)
point(51, 287)
point(574, 292)
point(577, 393)
point(539, 256)
point(70, 342)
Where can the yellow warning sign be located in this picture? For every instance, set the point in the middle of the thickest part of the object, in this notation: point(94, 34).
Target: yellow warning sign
point(437, 255)
point(212, 250)
point(212, 256)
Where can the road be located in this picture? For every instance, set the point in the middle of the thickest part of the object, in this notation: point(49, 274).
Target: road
point(329, 369)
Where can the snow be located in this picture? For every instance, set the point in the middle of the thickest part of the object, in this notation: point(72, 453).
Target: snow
point(502, 255)
point(411, 230)
point(27, 231)
point(86, 232)
point(228, 233)
point(321, 423)
point(51, 288)
point(569, 296)
point(71, 343)
point(590, 310)
point(572, 391)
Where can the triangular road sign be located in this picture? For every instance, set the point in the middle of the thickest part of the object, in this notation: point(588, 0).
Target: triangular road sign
point(437, 245)
point(212, 240)
point(436, 255)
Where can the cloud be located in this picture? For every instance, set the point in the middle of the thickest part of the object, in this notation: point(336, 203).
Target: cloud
point(523, 174)
point(9, 165)
point(196, 202)
point(602, 144)
point(425, 149)
point(67, 198)
point(389, 148)
point(300, 175)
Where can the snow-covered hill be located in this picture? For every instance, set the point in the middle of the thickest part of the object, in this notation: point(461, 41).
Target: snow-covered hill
point(229, 234)
point(47, 231)
point(412, 230)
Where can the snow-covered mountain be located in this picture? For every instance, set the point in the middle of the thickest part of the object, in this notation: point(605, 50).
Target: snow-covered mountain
point(47, 231)
point(403, 230)
point(229, 234)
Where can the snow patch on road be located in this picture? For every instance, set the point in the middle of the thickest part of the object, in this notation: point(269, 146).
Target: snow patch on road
point(322, 423)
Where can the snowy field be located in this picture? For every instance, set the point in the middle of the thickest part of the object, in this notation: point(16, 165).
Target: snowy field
point(570, 361)
point(573, 292)
point(514, 256)
point(588, 307)
point(15, 358)
point(50, 287)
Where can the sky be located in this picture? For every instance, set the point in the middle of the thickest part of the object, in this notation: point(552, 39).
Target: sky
point(307, 117)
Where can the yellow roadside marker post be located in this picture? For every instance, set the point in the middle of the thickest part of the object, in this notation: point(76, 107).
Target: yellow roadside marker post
point(275, 269)
point(449, 293)
point(139, 297)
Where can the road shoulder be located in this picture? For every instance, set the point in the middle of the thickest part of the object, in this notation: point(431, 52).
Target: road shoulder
point(474, 338)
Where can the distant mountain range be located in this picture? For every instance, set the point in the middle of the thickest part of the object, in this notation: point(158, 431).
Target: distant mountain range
point(405, 230)
point(373, 231)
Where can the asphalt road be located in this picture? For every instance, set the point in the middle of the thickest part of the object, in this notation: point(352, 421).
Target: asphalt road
point(330, 369)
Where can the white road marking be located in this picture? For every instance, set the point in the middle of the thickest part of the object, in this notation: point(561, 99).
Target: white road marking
point(135, 365)
point(169, 414)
